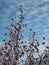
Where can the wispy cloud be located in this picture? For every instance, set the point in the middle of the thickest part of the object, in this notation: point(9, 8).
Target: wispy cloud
point(36, 14)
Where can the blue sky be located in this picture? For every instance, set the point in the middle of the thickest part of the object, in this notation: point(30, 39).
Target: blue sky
point(36, 13)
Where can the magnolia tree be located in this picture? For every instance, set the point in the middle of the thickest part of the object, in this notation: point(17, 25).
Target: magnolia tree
point(13, 50)
point(34, 55)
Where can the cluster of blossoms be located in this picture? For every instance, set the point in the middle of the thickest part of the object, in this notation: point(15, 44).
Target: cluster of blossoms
point(13, 50)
